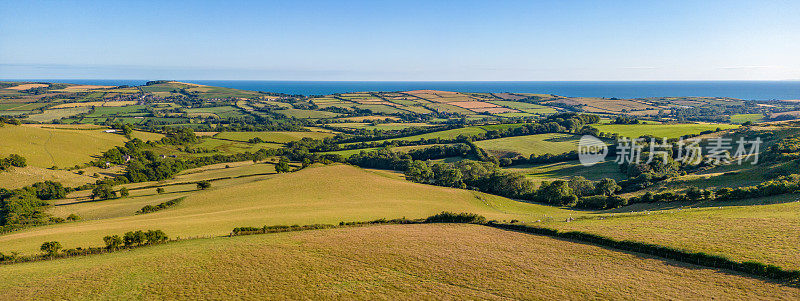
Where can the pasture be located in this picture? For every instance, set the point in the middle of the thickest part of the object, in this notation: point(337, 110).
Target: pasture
point(661, 130)
point(47, 147)
point(325, 194)
point(437, 261)
point(275, 137)
point(532, 144)
point(748, 231)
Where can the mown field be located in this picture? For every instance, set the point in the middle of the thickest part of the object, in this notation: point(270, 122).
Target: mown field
point(433, 261)
point(532, 144)
point(326, 194)
point(62, 147)
point(564, 170)
point(765, 233)
point(661, 130)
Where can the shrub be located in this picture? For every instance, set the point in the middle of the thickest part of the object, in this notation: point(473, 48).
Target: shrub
point(50, 248)
point(449, 217)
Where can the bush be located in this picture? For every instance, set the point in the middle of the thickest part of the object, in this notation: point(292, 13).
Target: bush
point(50, 248)
point(203, 185)
point(449, 217)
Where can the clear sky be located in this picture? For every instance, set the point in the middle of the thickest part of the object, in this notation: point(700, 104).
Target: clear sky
point(401, 40)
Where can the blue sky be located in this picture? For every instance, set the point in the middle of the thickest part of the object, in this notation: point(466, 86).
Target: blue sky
point(401, 40)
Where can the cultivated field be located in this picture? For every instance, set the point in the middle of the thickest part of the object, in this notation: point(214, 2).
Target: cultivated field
point(436, 261)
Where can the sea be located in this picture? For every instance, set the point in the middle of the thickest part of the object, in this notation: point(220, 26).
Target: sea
point(748, 90)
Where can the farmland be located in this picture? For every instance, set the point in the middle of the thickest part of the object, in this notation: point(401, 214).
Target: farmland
point(660, 130)
point(534, 144)
point(762, 233)
point(352, 263)
point(316, 195)
point(47, 147)
point(221, 158)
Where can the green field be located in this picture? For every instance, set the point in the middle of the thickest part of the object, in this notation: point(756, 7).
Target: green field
point(564, 170)
point(742, 118)
point(327, 194)
point(763, 233)
point(47, 147)
point(307, 114)
point(220, 112)
point(276, 137)
point(532, 144)
point(54, 114)
point(661, 130)
point(377, 262)
point(525, 107)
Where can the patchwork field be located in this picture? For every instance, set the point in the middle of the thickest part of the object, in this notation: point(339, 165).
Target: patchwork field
point(327, 194)
point(436, 261)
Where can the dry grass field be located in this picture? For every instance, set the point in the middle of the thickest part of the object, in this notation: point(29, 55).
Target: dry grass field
point(325, 194)
point(432, 261)
point(765, 233)
point(47, 147)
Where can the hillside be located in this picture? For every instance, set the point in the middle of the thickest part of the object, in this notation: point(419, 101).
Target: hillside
point(326, 194)
point(436, 261)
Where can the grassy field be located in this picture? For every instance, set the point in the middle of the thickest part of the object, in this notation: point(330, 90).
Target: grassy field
point(742, 118)
point(764, 233)
point(276, 137)
point(47, 147)
point(532, 144)
point(660, 130)
point(564, 170)
point(433, 261)
point(53, 114)
point(327, 194)
point(19, 177)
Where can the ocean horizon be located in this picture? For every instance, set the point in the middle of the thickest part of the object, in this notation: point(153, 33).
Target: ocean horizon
point(748, 90)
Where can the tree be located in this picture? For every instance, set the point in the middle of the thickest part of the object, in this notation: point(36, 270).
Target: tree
point(160, 190)
point(73, 217)
point(103, 192)
point(556, 192)
point(419, 172)
point(123, 192)
point(50, 248)
point(203, 185)
point(606, 186)
point(134, 238)
point(113, 242)
point(49, 190)
point(155, 236)
point(581, 186)
point(283, 165)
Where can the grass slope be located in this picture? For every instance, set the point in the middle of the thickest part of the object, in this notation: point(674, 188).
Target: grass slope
point(46, 147)
point(433, 261)
point(327, 194)
point(764, 233)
